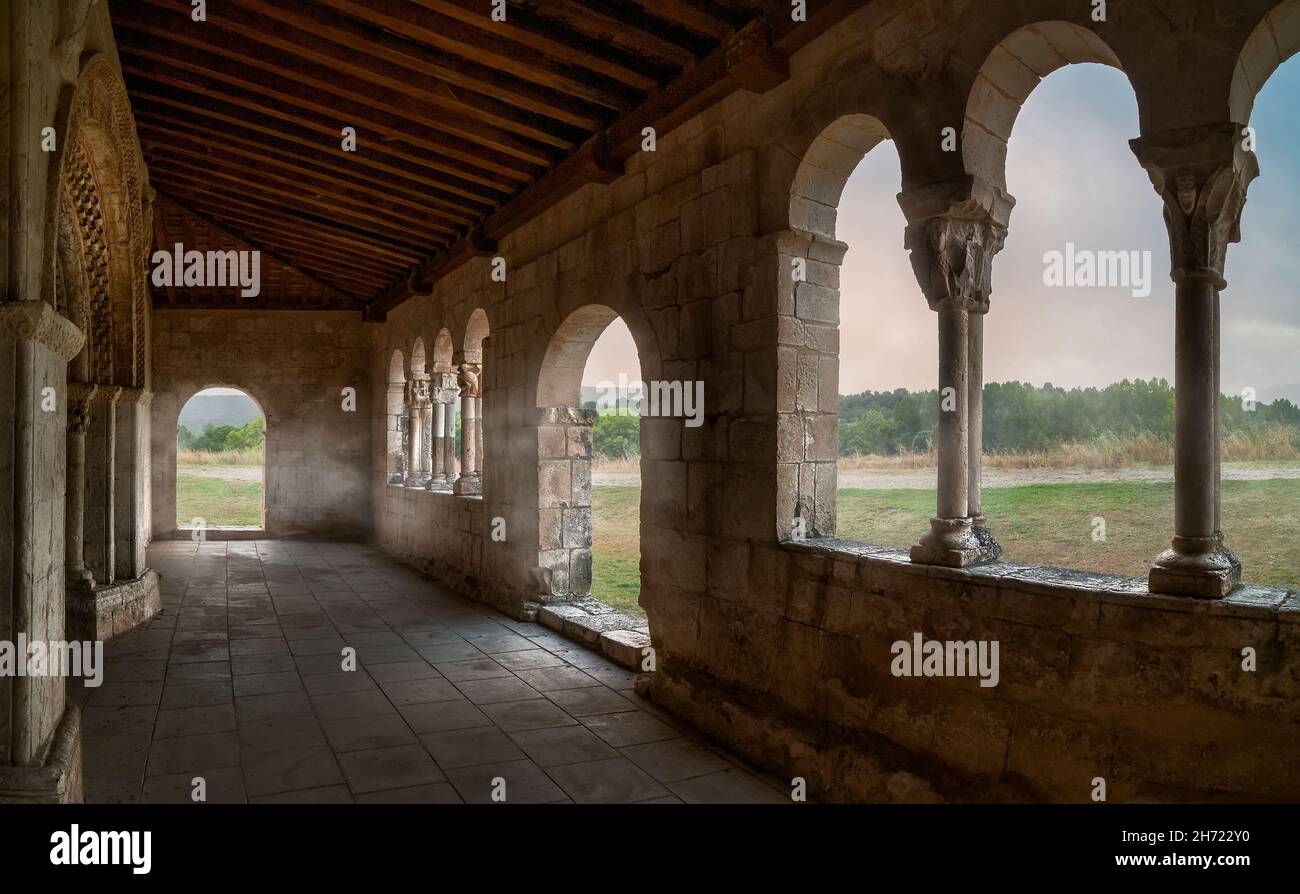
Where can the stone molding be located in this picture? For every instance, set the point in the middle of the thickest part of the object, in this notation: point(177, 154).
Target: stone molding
point(1202, 175)
point(37, 321)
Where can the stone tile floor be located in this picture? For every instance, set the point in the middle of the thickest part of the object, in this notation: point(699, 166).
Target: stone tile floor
point(240, 681)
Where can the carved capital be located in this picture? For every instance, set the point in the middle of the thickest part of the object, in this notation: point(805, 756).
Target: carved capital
point(39, 322)
point(954, 230)
point(80, 396)
point(446, 387)
point(418, 391)
point(953, 260)
point(1202, 175)
point(471, 384)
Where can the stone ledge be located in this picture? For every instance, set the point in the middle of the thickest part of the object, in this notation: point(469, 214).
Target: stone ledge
point(588, 621)
point(105, 612)
point(58, 779)
point(1246, 601)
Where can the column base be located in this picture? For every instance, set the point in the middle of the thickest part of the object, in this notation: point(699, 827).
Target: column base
point(56, 781)
point(437, 483)
point(955, 543)
point(1199, 567)
point(111, 610)
point(468, 485)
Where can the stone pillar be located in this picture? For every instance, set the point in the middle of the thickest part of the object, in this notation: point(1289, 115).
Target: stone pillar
point(955, 229)
point(417, 474)
point(470, 480)
point(77, 575)
point(395, 407)
point(99, 516)
point(129, 467)
point(449, 442)
point(443, 419)
point(40, 731)
point(1202, 174)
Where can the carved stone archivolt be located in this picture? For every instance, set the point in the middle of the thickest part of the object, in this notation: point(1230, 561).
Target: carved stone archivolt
point(100, 168)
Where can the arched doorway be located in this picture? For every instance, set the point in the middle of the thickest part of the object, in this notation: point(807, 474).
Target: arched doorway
point(221, 463)
point(589, 520)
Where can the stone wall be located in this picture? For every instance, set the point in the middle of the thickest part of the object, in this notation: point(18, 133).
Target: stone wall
point(782, 650)
point(296, 366)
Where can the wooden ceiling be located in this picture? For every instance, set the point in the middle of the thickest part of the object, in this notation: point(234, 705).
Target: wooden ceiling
point(465, 126)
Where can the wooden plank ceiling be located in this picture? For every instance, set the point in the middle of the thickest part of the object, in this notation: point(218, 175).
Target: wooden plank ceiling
point(465, 126)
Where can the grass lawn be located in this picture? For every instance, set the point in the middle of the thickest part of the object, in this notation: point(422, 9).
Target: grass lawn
point(1042, 524)
point(1052, 524)
point(218, 501)
point(616, 546)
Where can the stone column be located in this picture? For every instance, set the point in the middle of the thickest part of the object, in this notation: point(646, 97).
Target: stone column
point(98, 525)
point(975, 417)
point(955, 228)
point(418, 404)
point(129, 468)
point(395, 407)
point(449, 442)
point(77, 575)
point(1202, 174)
point(443, 397)
point(470, 480)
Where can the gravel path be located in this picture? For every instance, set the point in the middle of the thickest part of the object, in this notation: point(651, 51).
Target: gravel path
point(229, 473)
point(924, 479)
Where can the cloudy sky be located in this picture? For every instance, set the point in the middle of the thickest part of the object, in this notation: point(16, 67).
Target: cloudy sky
point(1075, 181)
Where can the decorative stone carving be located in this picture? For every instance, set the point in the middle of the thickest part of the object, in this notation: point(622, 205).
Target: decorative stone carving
point(1201, 174)
point(470, 384)
point(37, 321)
point(953, 260)
point(80, 396)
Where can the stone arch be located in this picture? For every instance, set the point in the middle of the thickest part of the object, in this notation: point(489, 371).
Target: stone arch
point(187, 395)
point(825, 169)
point(396, 421)
point(476, 332)
point(1008, 75)
point(564, 444)
point(443, 349)
point(97, 189)
point(1275, 40)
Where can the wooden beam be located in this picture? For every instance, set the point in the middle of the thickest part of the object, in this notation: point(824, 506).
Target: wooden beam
point(315, 61)
point(636, 34)
point(164, 131)
point(335, 198)
point(334, 290)
point(704, 84)
point(217, 118)
point(434, 64)
point(557, 42)
point(260, 88)
point(494, 51)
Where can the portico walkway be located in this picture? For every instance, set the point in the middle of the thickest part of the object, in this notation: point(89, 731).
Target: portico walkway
point(240, 681)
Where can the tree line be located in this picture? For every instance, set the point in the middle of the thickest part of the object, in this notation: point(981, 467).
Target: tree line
point(222, 438)
point(1018, 418)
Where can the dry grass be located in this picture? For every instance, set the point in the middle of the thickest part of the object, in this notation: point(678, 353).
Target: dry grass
point(628, 465)
point(223, 458)
point(1276, 444)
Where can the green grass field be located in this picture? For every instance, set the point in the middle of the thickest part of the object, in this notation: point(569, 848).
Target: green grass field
point(217, 501)
point(1043, 524)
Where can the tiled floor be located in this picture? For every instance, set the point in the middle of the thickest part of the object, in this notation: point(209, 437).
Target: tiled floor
point(240, 681)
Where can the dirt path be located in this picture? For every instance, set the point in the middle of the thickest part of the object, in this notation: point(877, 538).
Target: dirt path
point(924, 479)
point(227, 473)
